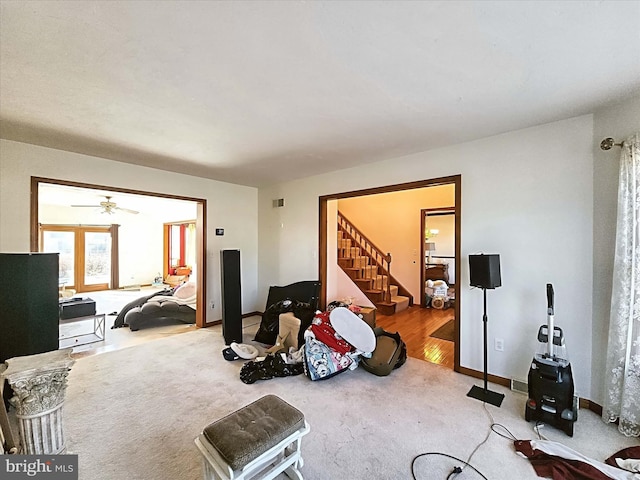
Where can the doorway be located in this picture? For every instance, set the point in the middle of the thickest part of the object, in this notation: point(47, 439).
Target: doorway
point(437, 238)
point(327, 232)
point(200, 233)
point(179, 247)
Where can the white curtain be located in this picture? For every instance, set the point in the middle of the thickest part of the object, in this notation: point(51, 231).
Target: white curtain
point(622, 399)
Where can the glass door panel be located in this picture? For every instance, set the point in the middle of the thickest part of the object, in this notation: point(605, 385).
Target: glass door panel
point(97, 259)
point(63, 243)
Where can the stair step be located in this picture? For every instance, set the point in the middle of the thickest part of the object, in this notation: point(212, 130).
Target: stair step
point(344, 243)
point(385, 308)
point(353, 252)
point(402, 303)
point(345, 262)
point(363, 284)
point(374, 295)
point(380, 282)
point(394, 290)
point(361, 262)
point(371, 271)
point(353, 273)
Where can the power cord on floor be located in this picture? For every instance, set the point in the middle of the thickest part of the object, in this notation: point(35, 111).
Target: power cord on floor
point(457, 470)
point(484, 405)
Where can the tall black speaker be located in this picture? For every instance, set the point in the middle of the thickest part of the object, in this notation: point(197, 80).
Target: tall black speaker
point(28, 304)
point(231, 296)
point(484, 271)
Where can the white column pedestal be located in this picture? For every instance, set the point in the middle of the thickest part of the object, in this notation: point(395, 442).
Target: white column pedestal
point(39, 384)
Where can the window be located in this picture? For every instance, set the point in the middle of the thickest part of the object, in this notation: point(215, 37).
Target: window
point(179, 247)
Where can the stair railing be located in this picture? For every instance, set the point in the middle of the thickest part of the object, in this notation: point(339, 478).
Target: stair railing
point(381, 259)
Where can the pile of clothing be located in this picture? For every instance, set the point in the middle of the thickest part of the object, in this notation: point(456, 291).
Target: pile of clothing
point(337, 340)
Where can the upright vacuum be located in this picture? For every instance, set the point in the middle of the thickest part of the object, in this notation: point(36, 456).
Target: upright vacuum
point(550, 380)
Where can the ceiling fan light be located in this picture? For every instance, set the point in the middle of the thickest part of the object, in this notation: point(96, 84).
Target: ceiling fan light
point(109, 207)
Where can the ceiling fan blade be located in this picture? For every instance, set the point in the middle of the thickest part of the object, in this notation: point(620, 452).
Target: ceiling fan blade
point(135, 212)
point(109, 207)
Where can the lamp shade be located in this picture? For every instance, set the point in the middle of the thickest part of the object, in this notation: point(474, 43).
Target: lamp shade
point(430, 246)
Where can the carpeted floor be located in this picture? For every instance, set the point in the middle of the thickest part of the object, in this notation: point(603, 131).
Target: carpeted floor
point(134, 413)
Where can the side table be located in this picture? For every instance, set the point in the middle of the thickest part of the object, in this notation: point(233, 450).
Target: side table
point(84, 338)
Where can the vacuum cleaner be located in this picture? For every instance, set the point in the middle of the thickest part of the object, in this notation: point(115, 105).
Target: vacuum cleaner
point(550, 381)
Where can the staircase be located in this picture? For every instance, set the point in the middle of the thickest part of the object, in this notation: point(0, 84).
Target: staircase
point(370, 269)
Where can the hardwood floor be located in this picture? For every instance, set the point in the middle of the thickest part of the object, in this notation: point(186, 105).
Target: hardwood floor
point(109, 302)
point(415, 325)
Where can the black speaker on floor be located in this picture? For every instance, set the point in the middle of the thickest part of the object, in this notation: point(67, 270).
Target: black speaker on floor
point(484, 271)
point(231, 296)
point(28, 304)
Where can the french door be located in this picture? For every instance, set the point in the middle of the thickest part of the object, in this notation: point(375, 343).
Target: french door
point(86, 255)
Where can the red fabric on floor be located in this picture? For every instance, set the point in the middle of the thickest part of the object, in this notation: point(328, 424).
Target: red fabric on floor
point(558, 468)
point(630, 452)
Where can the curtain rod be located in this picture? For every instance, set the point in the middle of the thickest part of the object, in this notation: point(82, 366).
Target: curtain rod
point(608, 143)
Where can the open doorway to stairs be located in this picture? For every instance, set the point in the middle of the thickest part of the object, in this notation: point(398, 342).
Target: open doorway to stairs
point(407, 260)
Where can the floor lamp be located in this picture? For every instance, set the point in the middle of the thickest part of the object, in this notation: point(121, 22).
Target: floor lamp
point(484, 272)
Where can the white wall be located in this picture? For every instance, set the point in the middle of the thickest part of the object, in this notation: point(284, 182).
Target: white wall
point(232, 207)
point(526, 195)
point(617, 121)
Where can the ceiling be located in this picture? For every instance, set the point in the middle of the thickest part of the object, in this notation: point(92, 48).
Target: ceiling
point(151, 207)
point(259, 92)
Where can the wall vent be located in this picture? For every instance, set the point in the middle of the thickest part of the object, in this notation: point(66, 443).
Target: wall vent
point(278, 202)
point(519, 386)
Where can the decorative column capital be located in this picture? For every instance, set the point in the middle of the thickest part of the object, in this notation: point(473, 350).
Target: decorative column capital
point(38, 381)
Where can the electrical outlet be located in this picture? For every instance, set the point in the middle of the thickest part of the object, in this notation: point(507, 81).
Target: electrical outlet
point(212, 304)
point(499, 344)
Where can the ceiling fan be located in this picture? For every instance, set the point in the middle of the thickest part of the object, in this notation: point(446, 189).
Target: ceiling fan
point(109, 207)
